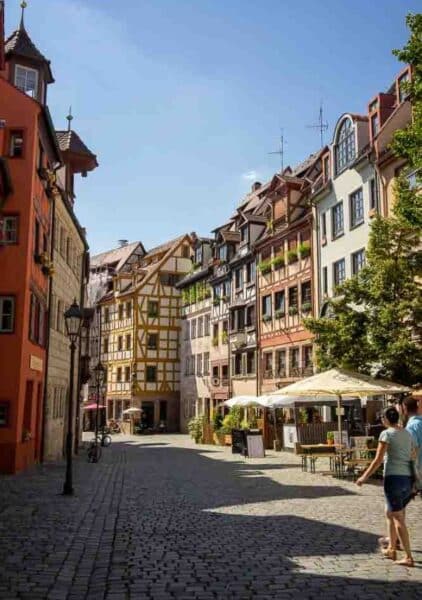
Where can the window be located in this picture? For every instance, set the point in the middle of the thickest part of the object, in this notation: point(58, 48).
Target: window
point(224, 372)
point(293, 297)
point(127, 374)
point(238, 277)
point(7, 314)
point(326, 168)
point(128, 342)
point(106, 315)
point(356, 208)
point(193, 329)
point(339, 272)
point(238, 364)
point(207, 325)
point(152, 341)
point(4, 414)
point(200, 326)
point(120, 312)
point(324, 225)
point(373, 194)
point(199, 365)
point(250, 316)
point(307, 356)
point(186, 330)
point(16, 144)
point(375, 124)
point(294, 358)
point(185, 251)
point(128, 310)
point(151, 374)
point(105, 345)
point(345, 147)
point(402, 92)
point(152, 308)
point(268, 365)
point(198, 255)
point(306, 292)
point(119, 374)
point(250, 362)
point(187, 364)
point(358, 261)
point(215, 334)
point(225, 332)
point(26, 80)
point(222, 253)
point(279, 302)
point(206, 363)
point(266, 306)
point(244, 231)
point(337, 221)
point(280, 357)
point(67, 257)
point(9, 230)
point(120, 343)
point(169, 279)
point(37, 321)
point(215, 372)
point(324, 280)
point(250, 272)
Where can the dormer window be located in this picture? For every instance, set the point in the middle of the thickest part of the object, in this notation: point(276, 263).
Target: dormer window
point(198, 255)
point(244, 234)
point(345, 145)
point(375, 124)
point(403, 93)
point(222, 253)
point(26, 79)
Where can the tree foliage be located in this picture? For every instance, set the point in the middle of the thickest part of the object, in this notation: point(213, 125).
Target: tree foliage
point(374, 324)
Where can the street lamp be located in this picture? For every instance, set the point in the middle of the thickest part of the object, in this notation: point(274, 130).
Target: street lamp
point(73, 321)
point(99, 372)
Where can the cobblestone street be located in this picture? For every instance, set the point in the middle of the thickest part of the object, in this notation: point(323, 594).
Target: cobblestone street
point(161, 518)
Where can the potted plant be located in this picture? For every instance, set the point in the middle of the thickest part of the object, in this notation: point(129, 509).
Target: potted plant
point(330, 438)
point(266, 318)
point(195, 428)
point(264, 267)
point(304, 249)
point(231, 421)
point(292, 256)
point(306, 307)
point(278, 262)
point(224, 337)
point(216, 301)
point(293, 310)
point(280, 313)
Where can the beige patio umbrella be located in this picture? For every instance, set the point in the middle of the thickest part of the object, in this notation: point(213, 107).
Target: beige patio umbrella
point(339, 383)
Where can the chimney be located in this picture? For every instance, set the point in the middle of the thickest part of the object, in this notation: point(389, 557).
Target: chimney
point(2, 65)
point(122, 243)
point(256, 186)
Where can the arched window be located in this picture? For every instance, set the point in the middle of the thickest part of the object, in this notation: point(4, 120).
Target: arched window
point(345, 146)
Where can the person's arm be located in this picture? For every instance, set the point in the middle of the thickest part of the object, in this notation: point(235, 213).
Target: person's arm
point(375, 464)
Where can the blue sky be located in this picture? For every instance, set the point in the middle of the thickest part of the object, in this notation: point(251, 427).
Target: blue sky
point(183, 99)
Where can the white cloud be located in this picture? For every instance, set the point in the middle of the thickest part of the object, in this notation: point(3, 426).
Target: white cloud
point(250, 176)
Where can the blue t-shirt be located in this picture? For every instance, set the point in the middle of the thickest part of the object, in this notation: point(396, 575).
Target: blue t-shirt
point(414, 427)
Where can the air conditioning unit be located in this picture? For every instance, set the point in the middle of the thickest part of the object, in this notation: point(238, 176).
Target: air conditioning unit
point(215, 381)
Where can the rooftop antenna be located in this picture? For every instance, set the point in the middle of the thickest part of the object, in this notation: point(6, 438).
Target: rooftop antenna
point(322, 126)
point(280, 152)
point(69, 119)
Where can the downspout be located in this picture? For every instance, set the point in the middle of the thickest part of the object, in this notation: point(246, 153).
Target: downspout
point(47, 354)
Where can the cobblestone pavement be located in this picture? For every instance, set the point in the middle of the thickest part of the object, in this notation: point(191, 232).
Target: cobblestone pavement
point(161, 518)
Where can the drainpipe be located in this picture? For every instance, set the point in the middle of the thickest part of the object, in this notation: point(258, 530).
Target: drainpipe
point(49, 324)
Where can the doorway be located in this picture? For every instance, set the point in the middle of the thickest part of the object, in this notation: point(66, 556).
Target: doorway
point(147, 415)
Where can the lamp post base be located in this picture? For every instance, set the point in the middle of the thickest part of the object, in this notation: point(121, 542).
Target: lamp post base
point(67, 490)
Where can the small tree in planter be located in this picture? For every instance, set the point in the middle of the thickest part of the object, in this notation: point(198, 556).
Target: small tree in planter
point(195, 428)
point(330, 438)
point(231, 421)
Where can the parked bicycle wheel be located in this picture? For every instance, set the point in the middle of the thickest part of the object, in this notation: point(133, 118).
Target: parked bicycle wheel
point(106, 440)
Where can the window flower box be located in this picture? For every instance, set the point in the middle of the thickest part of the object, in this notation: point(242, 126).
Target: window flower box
point(264, 267)
point(293, 310)
point(278, 262)
point(280, 314)
point(215, 341)
point(216, 301)
point(292, 256)
point(304, 250)
point(266, 318)
point(306, 307)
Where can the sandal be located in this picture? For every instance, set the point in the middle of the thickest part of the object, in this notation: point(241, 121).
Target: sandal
point(383, 542)
point(405, 562)
point(389, 553)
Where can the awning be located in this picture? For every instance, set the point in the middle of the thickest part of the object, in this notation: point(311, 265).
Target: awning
point(93, 406)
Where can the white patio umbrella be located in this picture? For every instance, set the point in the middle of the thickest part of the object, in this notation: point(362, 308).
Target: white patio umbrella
point(339, 383)
point(132, 410)
point(243, 401)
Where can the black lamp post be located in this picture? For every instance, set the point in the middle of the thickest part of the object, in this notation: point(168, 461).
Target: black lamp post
point(99, 371)
point(73, 321)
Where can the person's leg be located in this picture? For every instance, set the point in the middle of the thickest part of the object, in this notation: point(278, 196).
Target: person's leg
point(392, 532)
point(403, 534)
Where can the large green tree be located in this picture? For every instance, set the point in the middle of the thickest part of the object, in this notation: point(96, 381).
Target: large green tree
point(374, 324)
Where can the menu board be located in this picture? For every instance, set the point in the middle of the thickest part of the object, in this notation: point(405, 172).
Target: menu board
point(255, 446)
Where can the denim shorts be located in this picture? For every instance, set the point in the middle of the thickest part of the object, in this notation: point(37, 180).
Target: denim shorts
point(398, 491)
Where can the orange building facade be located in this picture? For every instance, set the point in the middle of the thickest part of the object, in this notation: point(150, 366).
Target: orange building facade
point(29, 153)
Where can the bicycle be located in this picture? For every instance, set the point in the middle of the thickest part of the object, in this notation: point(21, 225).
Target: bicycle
point(94, 452)
point(104, 439)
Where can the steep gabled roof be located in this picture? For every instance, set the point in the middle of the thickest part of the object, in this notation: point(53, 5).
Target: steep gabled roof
point(20, 44)
point(117, 256)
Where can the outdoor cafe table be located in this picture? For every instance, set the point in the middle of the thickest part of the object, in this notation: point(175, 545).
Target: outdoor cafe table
point(315, 451)
point(344, 458)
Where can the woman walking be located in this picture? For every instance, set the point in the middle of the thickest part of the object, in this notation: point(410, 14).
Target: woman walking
point(395, 448)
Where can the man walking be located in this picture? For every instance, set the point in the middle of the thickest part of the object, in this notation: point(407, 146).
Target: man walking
point(414, 424)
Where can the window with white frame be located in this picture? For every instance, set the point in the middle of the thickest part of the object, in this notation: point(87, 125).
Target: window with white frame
point(373, 194)
point(193, 329)
point(337, 220)
point(16, 144)
point(200, 326)
point(280, 357)
point(9, 230)
point(7, 314)
point(207, 325)
point(356, 208)
point(324, 225)
point(345, 145)
point(339, 272)
point(199, 365)
point(358, 261)
point(26, 80)
point(206, 363)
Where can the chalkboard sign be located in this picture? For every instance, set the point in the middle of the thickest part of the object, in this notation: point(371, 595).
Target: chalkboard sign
point(239, 442)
